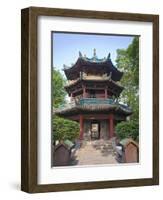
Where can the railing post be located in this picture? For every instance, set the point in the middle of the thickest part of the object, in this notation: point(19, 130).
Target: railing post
point(106, 93)
point(71, 97)
point(84, 91)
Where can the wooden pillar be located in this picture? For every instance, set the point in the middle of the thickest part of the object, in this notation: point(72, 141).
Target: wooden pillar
point(71, 96)
point(106, 93)
point(81, 127)
point(111, 126)
point(84, 91)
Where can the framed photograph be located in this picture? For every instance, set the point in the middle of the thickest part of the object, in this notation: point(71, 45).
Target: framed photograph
point(90, 99)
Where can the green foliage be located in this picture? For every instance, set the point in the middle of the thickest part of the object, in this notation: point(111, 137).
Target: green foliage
point(128, 62)
point(128, 129)
point(64, 129)
point(58, 91)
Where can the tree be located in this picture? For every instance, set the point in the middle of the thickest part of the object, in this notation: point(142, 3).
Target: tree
point(62, 128)
point(128, 129)
point(65, 129)
point(58, 91)
point(128, 62)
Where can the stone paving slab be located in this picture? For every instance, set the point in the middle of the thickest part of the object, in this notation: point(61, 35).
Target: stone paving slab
point(95, 152)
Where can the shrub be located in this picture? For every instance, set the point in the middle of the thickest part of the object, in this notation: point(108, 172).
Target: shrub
point(64, 129)
point(128, 129)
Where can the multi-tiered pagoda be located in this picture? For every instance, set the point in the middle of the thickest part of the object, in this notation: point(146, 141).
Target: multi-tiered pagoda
point(93, 86)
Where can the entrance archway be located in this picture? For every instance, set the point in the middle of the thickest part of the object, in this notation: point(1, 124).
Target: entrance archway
point(95, 130)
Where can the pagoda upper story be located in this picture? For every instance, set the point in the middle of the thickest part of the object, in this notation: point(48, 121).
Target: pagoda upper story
point(93, 85)
point(94, 66)
point(93, 78)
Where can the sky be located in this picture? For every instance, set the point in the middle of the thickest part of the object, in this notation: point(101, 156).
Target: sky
point(66, 47)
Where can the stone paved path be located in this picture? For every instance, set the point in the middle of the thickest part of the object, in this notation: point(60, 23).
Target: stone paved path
point(95, 152)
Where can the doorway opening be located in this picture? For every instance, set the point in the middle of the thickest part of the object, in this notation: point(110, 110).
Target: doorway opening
point(95, 130)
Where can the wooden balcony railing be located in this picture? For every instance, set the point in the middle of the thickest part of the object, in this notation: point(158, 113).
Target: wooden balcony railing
point(92, 101)
point(95, 101)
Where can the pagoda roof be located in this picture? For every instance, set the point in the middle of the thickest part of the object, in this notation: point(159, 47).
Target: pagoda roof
point(90, 109)
point(92, 65)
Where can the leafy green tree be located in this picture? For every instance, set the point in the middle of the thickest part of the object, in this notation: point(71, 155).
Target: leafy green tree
point(58, 91)
point(62, 128)
point(128, 129)
point(128, 62)
point(65, 129)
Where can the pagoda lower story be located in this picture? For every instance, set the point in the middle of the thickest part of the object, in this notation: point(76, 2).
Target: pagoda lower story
point(96, 121)
point(96, 126)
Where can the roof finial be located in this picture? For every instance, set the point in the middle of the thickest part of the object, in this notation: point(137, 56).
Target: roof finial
point(109, 56)
point(80, 54)
point(94, 52)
